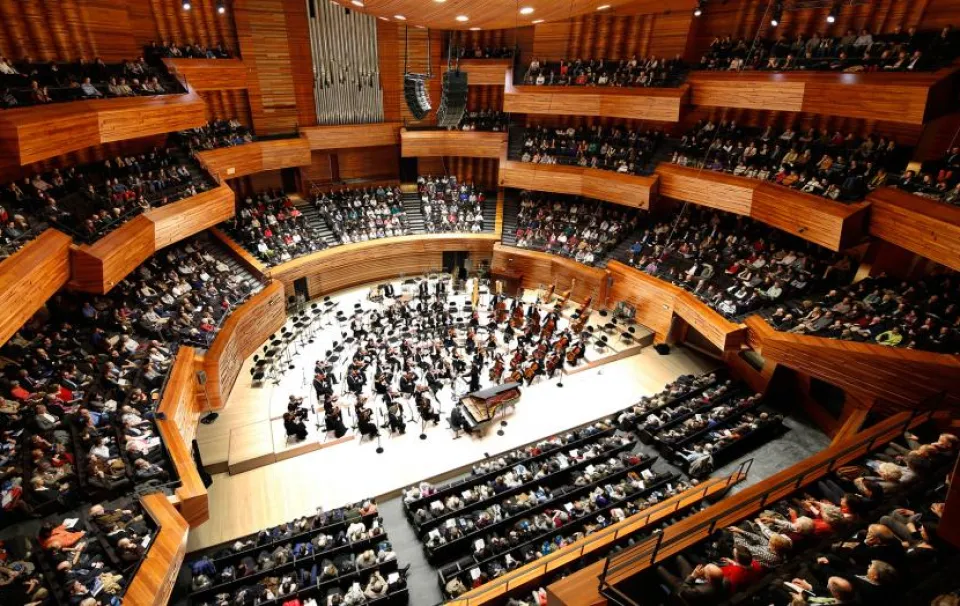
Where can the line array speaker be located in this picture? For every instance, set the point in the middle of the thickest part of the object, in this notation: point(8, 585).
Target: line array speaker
point(415, 92)
point(453, 101)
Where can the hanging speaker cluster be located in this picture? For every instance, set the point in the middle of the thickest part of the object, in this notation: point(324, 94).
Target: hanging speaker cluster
point(415, 92)
point(453, 101)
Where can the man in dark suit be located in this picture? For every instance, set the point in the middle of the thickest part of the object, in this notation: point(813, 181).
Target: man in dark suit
point(355, 381)
point(704, 584)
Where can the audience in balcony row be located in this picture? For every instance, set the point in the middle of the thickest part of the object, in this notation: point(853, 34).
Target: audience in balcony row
point(583, 230)
point(483, 52)
point(359, 215)
point(193, 50)
point(899, 50)
point(215, 134)
point(448, 206)
point(862, 535)
point(490, 120)
point(615, 148)
point(837, 166)
point(938, 180)
point(633, 72)
point(273, 228)
point(922, 314)
point(734, 264)
point(32, 83)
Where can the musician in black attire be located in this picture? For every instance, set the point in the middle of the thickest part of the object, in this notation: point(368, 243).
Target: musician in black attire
point(294, 427)
point(322, 385)
point(475, 375)
point(408, 383)
point(387, 290)
point(296, 408)
point(365, 423)
point(425, 408)
point(395, 415)
point(355, 381)
point(458, 420)
point(334, 419)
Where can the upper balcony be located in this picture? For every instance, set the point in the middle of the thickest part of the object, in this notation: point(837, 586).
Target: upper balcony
point(243, 160)
point(658, 104)
point(467, 144)
point(928, 228)
point(619, 188)
point(210, 74)
point(486, 72)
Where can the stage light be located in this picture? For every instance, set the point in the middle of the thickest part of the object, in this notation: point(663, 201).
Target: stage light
point(526, 10)
point(537, 21)
point(777, 14)
point(699, 9)
point(462, 18)
point(187, 6)
point(832, 15)
point(221, 8)
point(399, 17)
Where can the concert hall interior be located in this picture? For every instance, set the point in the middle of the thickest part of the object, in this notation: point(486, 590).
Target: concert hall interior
point(533, 303)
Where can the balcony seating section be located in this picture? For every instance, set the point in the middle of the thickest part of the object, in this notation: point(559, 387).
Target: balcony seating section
point(450, 207)
point(734, 264)
point(25, 582)
point(214, 135)
point(615, 148)
point(359, 215)
point(586, 231)
point(24, 83)
point(853, 52)
point(156, 51)
point(921, 314)
point(485, 120)
point(866, 534)
point(482, 52)
point(633, 72)
point(19, 228)
point(339, 552)
point(937, 180)
point(274, 229)
point(838, 166)
point(94, 552)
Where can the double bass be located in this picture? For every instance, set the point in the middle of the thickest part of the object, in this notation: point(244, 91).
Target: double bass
point(547, 296)
point(561, 343)
point(546, 332)
point(516, 320)
point(574, 354)
point(566, 295)
point(516, 376)
point(501, 311)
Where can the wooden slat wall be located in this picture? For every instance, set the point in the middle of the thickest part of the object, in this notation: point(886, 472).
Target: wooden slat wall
point(31, 276)
point(175, 222)
point(926, 227)
point(539, 269)
point(159, 20)
point(66, 30)
point(484, 97)
point(242, 334)
point(181, 408)
point(480, 171)
point(390, 58)
point(353, 135)
point(486, 72)
point(653, 299)
point(627, 190)
point(242, 160)
point(613, 36)
point(228, 104)
point(369, 162)
point(301, 61)
point(157, 574)
point(470, 144)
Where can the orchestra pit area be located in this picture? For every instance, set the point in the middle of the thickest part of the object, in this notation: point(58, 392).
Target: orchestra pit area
point(428, 302)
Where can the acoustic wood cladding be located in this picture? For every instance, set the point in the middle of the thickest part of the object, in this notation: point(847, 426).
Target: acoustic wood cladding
point(658, 104)
point(31, 134)
point(390, 60)
point(627, 190)
point(368, 163)
point(66, 30)
point(242, 160)
point(470, 144)
point(873, 96)
point(612, 36)
point(181, 409)
point(242, 334)
point(539, 269)
point(490, 72)
point(830, 224)
point(210, 74)
point(899, 377)
point(154, 579)
point(352, 135)
point(926, 227)
point(228, 104)
point(179, 220)
point(353, 264)
point(97, 268)
point(483, 172)
point(159, 20)
point(31, 276)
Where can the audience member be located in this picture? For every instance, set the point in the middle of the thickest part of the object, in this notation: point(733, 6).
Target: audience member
point(636, 71)
point(613, 148)
point(450, 207)
point(273, 228)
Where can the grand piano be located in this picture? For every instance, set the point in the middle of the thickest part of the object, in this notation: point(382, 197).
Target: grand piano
point(481, 408)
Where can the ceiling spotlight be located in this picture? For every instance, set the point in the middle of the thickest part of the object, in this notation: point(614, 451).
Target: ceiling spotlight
point(777, 14)
point(475, 29)
point(699, 10)
point(383, 18)
point(186, 5)
point(603, 7)
point(356, 3)
point(221, 7)
point(462, 18)
point(832, 16)
point(526, 10)
point(537, 21)
point(399, 17)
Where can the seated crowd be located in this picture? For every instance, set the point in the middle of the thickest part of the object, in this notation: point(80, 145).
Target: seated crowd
point(193, 50)
point(21, 579)
point(734, 264)
point(583, 230)
point(215, 134)
point(483, 52)
point(921, 314)
point(633, 72)
point(938, 180)
point(17, 225)
point(863, 51)
point(273, 228)
point(837, 166)
point(865, 534)
point(28, 82)
point(489, 120)
point(88, 201)
point(615, 148)
point(359, 215)
point(448, 206)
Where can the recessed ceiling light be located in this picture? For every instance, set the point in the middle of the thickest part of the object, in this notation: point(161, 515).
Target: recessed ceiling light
point(537, 21)
point(420, 26)
point(526, 10)
point(383, 18)
point(356, 3)
point(475, 29)
point(462, 18)
point(399, 17)
point(439, 1)
point(603, 7)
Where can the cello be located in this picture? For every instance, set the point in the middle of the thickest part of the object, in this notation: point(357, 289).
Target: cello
point(574, 354)
point(531, 371)
point(497, 371)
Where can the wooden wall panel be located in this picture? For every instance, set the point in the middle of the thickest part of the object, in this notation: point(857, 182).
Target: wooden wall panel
point(352, 135)
point(369, 162)
point(319, 171)
point(181, 407)
point(31, 276)
point(242, 160)
point(154, 579)
point(485, 97)
point(628, 190)
point(228, 104)
point(470, 144)
point(706, 188)
point(99, 267)
point(301, 61)
point(540, 269)
point(32, 134)
point(390, 58)
point(658, 104)
point(66, 30)
point(180, 220)
point(165, 20)
point(242, 334)
point(719, 331)
point(210, 74)
point(926, 227)
point(653, 299)
point(486, 72)
point(482, 172)
point(900, 377)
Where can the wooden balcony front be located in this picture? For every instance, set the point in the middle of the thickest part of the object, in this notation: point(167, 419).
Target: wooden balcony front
point(468, 144)
point(32, 134)
point(831, 224)
point(98, 267)
point(928, 228)
point(889, 97)
point(256, 157)
point(157, 574)
point(486, 72)
point(658, 104)
point(30, 276)
point(210, 74)
point(542, 270)
point(901, 378)
point(351, 135)
point(618, 188)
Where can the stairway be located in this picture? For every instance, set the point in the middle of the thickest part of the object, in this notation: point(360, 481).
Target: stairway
point(515, 142)
point(489, 212)
point(315, 220)
point(511, 208)
point(411, 206)
point(621, 251)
